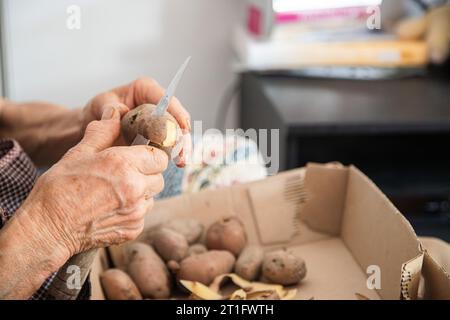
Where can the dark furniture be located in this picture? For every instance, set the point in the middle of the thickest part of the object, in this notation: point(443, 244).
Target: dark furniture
point(395, 131)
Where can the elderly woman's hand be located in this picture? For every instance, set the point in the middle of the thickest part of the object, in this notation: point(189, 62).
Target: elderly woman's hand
point(141, 91)
point(96, 196)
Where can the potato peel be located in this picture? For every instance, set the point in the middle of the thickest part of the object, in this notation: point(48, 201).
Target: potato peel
point(290, 295)
point(263, 295)
point(201, 291)
point(248, 290)
point(238, 295)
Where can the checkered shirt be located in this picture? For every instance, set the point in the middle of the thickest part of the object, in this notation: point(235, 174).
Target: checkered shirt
point(17, 177)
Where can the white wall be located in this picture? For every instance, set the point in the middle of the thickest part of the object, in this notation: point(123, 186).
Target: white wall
point(120, 40)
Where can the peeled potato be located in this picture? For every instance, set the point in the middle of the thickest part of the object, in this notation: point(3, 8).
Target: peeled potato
point(163, 132)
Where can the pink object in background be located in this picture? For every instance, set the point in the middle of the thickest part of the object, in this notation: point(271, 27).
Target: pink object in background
point(254, 20)
point(323, 14)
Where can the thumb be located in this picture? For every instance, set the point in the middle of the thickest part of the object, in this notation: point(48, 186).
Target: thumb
point(100, 135)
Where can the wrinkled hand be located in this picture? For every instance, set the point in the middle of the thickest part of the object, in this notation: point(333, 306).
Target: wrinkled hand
point(141, 91)
point(96, 195)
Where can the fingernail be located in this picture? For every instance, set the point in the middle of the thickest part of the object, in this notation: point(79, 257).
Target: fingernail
point(108, 113)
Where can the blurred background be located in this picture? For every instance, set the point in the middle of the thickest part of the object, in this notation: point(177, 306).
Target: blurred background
point(363, 82)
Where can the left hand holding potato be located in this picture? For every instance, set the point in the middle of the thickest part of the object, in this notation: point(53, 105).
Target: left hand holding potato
point(141, 91)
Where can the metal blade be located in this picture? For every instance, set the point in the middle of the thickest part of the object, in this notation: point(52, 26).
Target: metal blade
point(140, 141)
point(163, 104)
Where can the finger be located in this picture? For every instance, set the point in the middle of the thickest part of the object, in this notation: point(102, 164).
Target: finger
point(146, 160)
point(183, 117)
point(104, 101)
point(147, 90)
point(100, 135)
point(184, 157)
point(126, 216)
point(120, 107)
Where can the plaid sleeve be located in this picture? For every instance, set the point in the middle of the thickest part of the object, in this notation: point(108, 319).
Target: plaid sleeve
point(17, 177)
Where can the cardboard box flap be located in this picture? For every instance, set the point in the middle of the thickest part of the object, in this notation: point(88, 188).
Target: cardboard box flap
point(410, 278)
point(437, 280)
point(376, 233)
point(326, 187)
point(276, 205)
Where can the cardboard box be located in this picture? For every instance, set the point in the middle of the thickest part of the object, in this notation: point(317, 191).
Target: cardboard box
point(334, 217)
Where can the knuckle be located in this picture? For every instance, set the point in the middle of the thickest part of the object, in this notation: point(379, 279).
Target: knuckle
point(112, 159)
point(93, 126)
point(137, 216)
point(131, 188)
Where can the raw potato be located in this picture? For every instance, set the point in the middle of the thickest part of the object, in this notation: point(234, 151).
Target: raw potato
point(283, 268)
point(163, 132)
point(206, 266)
point(248, 265)
point(118, 285)
point(197, 248)
point(118, 256)
point(191, 229)
point(227, 234)
point(148, 271)
point(170, 244)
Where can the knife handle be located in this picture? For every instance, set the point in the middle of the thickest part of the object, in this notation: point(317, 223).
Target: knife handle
point(71, 277)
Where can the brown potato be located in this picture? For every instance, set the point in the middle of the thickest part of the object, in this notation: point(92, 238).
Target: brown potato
point(118, 285)
point(191, 229)
point(282, 267)
point(248, 265)
point(148, 271)
point(163, 132)
point(227, 234)
point(170, 244)
point(197, 248)
point(206, 266)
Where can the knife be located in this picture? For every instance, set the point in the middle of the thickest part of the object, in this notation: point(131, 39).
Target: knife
point(164, 102)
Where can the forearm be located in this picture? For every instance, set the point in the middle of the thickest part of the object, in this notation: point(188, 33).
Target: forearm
point(26, 258)
point(45, 131)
